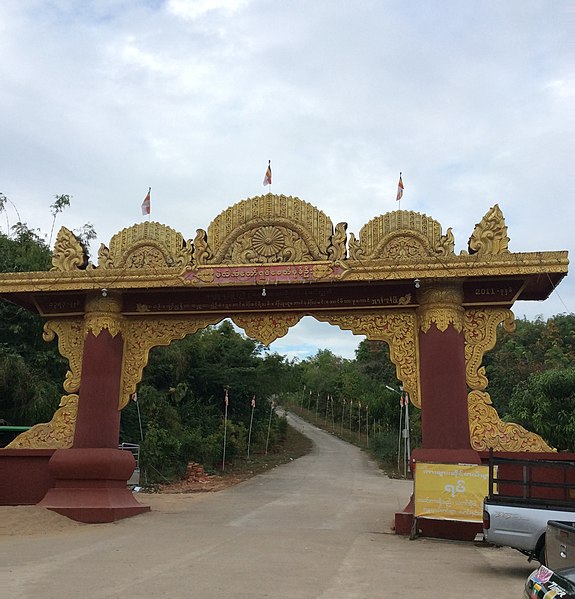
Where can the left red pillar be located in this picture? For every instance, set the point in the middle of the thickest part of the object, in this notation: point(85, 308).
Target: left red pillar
point(91, 478)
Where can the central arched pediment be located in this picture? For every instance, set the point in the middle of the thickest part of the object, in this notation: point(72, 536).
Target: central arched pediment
point(269, 229)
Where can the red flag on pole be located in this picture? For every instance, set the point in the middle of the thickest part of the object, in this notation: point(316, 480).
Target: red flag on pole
point(146, 204)
point(268, 175)
point(399, 189)
point(254, 401)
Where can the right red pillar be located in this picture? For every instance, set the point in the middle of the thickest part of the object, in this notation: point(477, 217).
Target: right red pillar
point(443, 388)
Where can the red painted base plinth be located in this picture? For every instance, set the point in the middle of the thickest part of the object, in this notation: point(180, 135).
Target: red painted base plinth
point(404, 519)
point(438, 529)
point(91, 485)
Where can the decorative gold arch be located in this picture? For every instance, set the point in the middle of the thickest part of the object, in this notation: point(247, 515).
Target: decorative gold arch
point(268, 229)
point(290, 242)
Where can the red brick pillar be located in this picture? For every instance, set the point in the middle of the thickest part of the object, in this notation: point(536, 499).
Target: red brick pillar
point(98, 419)
point(91, 478)
point(445, 420)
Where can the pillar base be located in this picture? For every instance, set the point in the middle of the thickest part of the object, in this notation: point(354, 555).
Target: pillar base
point(91, 485)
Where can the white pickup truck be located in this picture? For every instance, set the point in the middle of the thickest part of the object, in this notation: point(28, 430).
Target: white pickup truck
point(523, 496)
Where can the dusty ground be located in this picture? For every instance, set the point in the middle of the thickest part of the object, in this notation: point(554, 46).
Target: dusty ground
point(31, 520)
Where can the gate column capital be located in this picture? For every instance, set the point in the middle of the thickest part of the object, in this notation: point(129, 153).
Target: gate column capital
point(103, 310)
point(440, 303)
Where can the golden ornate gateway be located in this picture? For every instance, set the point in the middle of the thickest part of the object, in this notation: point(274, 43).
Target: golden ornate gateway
point(399, 281)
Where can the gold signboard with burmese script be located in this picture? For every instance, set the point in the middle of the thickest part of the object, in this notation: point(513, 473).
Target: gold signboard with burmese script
point(450, 491)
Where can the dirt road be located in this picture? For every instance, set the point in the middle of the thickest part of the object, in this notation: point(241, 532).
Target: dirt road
point(317, 528)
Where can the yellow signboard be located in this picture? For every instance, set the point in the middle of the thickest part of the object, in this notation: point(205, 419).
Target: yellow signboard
point(450, 491)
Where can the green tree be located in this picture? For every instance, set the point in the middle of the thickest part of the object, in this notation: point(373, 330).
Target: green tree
point(545, 404)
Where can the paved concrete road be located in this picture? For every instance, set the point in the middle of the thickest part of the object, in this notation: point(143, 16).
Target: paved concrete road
point(319, 527)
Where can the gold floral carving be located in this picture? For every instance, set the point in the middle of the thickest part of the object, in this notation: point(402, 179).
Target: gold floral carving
point(270, 228)
point(271, 244)
point(266, 327)
point(440, 303)
point(337, 249)
point(56, 434)
point(70, 332)
point(69, 253)
point(141, 334)
point(103, 312)
point(480, 330)
point(202, 251)
point(401, 235)
point(147, 245)
point(490, 235)
point(396, 328)
point(486, 429)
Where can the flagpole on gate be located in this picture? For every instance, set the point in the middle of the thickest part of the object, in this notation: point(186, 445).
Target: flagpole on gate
point(147, 204)
point(268, 176)
point(399, 194)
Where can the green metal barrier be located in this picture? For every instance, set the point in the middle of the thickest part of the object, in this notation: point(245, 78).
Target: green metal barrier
point(9, 433)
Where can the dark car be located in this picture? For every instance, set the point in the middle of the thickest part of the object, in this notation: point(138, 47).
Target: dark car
point(544, 583)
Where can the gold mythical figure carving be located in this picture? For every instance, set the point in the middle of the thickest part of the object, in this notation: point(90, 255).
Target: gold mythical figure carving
point(202, 251)
point(69, 253)
point(490, 235)
point(337, 249)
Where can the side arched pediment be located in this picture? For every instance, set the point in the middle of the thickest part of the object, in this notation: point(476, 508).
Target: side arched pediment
point(270, 229)
point(146, 245)
point(401, 235)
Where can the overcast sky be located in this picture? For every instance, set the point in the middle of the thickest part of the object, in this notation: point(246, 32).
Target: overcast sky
point(472, 101)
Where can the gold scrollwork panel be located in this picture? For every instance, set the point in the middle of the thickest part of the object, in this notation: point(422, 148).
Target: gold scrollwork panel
point(486, 429)
point(141, 334)
point(70, 333)
point(396, 328)
point(56, 434)
point(266, 327)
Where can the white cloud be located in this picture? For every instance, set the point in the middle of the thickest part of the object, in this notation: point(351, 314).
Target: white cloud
point(194, 9)
point(471, 101)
